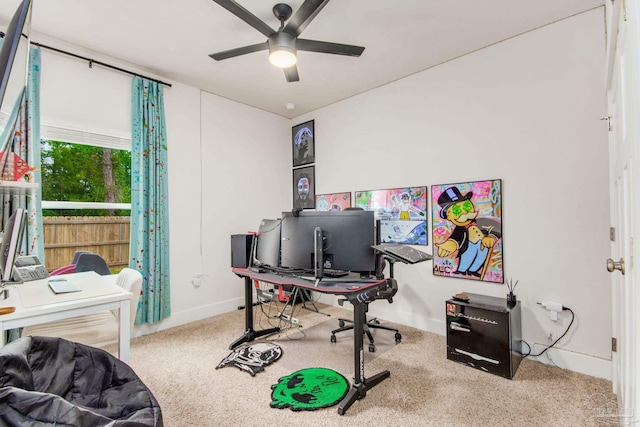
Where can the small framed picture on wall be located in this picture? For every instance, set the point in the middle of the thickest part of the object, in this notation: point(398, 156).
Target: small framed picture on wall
point(333, 202)
point(303, 144)
point(304, 183)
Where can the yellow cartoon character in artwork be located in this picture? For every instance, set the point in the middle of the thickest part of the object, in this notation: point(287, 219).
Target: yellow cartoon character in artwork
point(472, 238)
point(405, 206)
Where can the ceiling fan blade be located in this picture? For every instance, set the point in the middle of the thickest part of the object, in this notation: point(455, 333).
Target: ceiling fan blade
point(303, 16)
point(291, 73)
point(219, 56)
point(246, 16)
point(328, 47)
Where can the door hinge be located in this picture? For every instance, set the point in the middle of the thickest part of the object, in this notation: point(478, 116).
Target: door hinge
point(614, 344)
point(612, 234)
point(608, 119)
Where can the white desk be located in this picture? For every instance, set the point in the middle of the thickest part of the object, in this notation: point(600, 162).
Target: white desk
point(35, 303)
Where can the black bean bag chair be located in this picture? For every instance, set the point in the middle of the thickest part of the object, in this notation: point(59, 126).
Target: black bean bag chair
point(51, 381)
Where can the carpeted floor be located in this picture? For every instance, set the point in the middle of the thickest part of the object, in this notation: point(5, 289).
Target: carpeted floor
point(424, 389)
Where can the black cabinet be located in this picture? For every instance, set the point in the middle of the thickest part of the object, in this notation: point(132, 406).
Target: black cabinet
point(485, 333)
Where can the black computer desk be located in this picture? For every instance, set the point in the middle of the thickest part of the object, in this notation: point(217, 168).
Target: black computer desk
point(357, 292)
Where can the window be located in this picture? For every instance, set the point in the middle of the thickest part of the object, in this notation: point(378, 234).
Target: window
point(85, 174)
point(85, 205)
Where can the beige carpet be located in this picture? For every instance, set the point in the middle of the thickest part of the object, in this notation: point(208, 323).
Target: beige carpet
point(424, 389)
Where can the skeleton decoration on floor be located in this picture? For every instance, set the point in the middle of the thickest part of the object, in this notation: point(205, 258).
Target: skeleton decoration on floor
point(252, 358)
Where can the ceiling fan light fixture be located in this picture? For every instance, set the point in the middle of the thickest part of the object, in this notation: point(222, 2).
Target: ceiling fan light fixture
point(282, 50)
point(282, 58)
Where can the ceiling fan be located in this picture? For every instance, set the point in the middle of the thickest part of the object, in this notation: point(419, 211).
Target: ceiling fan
point(284, 43)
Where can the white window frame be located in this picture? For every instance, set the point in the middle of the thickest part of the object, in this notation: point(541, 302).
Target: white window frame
point(74, 136)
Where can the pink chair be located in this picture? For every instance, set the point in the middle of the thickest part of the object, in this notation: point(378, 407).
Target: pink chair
point(67, 269)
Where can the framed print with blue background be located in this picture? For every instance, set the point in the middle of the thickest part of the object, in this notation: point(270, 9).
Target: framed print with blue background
point(402, 213)
point(303, 143)
point(467, 230)
point(333, 202)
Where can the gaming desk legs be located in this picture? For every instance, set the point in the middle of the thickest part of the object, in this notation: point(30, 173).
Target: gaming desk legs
point(250, 334)
point(360, 383)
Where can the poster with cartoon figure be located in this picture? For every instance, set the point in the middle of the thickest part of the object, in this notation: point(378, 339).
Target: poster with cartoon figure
point(467, 230)
point(333, 202)
point(402, 213)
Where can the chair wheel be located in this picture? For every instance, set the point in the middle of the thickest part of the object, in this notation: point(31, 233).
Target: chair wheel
point(372, 348)
point(333, 338)
point(398, 337)
point(341, 323)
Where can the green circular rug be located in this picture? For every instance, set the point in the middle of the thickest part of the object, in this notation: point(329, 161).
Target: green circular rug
point(309, 389)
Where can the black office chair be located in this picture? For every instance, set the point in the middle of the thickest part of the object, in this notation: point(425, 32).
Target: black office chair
point(92, 262)
point(347, 324)
point(76, 255)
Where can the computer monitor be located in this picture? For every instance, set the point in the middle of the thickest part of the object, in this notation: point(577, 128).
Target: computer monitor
point(10, 48)
point(12, 232)
point(347, 237)
point(14, 59)
point(267, 244)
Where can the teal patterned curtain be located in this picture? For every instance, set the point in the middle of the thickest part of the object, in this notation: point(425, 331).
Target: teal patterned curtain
point(26, 145)
point(149, 200)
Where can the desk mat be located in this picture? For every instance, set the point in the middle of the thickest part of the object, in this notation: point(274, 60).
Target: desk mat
point(35, 294)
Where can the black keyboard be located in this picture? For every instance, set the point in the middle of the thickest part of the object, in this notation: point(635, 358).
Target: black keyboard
point(404, 253)
point(334, 273)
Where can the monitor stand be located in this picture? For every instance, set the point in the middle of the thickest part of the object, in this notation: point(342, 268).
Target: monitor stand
point(318, 254)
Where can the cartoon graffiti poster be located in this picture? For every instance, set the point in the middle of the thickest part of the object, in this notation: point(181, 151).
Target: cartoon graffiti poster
point(402, 213)
point(467, 230)
point(333, 202)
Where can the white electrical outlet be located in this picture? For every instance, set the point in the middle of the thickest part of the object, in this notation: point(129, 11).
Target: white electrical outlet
point(196, 281)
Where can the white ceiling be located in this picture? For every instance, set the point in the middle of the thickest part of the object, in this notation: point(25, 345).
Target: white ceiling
point(171, 39)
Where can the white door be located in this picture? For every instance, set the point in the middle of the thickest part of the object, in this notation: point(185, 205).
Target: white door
point(624, 101)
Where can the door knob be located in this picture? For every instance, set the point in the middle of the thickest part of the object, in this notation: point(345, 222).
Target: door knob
point(613, 266)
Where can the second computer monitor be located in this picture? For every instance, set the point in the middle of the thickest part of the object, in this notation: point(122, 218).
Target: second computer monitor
point(347, 237)
point(267, 244)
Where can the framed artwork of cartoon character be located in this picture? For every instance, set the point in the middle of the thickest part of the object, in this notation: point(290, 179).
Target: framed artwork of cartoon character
point(402, 213)
point(304, 188)
point(303, 143)
point(467, 230)
point(333, 202)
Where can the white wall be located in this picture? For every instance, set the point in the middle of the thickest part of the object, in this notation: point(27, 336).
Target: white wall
point(225, 171)
point(77, 97)
point(224, 176)
point(526, 111)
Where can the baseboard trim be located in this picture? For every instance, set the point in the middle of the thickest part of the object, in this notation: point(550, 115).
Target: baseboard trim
point(576, 362)
point(564, 359)
point(187, 316)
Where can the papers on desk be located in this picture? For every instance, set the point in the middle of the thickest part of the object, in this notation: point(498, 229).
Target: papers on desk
point(62, 286)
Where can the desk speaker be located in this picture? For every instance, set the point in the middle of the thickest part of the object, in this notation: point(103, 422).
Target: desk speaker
point(241, 250)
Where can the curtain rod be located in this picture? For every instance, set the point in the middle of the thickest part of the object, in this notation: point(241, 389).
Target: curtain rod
point(93, 61)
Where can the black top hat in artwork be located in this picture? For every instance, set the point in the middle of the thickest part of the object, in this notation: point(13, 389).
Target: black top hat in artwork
point(449, 197)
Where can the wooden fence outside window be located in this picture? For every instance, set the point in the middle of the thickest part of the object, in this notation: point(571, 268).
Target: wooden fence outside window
point(107, 236)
